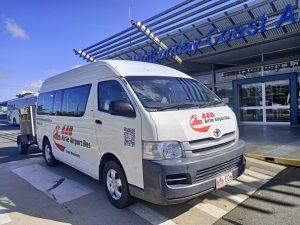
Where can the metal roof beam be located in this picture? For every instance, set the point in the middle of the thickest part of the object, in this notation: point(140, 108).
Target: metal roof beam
point(164, 25)
point(247, 9)
point(153, 24)
point(153, 38)
point(122, 33)
point(184, 23)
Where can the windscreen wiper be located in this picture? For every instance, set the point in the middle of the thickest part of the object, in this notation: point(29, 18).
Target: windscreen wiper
point(177, 106)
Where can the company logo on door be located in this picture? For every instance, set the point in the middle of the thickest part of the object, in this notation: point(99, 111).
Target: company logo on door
point(65, 135)
point(202, 123)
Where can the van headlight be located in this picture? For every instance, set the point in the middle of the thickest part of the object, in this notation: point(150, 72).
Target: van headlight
point(158, 150)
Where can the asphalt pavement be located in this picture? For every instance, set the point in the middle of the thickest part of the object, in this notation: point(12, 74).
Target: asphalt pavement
point(8, 140)
point(277, 202)
point(32, 193)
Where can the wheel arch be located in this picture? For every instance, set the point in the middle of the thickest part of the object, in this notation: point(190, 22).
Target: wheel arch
point(105, 158)
point(45, 138)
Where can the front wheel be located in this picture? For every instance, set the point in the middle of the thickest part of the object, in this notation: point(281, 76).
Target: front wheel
point(116, 185)
point(48, 155)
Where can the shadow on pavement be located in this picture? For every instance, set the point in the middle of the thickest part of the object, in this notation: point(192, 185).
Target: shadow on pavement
point(264, 204)
point(96, 209)
point(8, 145)
point(8, 154)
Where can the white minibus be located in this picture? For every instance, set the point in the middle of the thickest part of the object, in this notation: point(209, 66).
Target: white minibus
point(144, 130)
point(14, 106)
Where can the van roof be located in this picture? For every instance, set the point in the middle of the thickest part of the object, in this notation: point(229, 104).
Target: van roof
point(25, 97)
point(135, 68)
point(108, 68)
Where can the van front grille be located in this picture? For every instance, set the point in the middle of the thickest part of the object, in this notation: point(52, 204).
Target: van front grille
point(199, 141)
point(218, 169)
point(175, 179)
point(202, 150)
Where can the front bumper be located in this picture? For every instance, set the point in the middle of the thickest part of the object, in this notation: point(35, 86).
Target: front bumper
point(200, 174)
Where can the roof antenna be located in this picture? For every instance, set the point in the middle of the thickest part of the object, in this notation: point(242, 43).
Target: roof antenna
point(129, 17)
point(129, 14)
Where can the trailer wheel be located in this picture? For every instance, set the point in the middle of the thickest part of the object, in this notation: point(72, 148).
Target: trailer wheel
point(116, 185)
point(23, 148)
point(48, 155)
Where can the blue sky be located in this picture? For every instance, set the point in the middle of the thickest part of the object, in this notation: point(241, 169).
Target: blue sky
point(37, 36)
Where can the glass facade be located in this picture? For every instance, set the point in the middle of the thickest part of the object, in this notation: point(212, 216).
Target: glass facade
point(268, 102)
point(206, 79)
point(251, 95)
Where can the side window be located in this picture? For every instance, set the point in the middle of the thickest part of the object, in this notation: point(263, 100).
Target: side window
point(45, 103)
point(109, 91)
point(57, 102)
point(75, 100)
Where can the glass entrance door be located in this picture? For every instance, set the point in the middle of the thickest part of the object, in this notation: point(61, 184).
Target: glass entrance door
point(278, 101)
point(265, 102)
point(251, 102)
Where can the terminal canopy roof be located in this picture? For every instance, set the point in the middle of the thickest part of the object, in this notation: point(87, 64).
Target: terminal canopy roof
point(204, 19)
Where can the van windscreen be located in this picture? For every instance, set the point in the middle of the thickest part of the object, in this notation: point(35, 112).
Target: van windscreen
point(158, 93)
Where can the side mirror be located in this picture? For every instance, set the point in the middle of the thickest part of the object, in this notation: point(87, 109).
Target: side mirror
point(121, 108)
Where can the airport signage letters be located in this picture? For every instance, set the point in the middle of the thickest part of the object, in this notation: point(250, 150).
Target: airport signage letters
point(216, 36)
point(291, 66)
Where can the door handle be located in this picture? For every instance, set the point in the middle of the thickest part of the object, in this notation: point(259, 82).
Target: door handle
point(98, 121)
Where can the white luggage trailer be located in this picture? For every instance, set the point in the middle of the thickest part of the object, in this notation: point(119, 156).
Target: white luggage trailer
point(27, 135)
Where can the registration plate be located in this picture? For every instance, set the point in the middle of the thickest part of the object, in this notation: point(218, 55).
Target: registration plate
point(223, 180)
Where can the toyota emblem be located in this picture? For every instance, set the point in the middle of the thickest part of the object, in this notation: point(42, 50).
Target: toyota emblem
point(217, 133)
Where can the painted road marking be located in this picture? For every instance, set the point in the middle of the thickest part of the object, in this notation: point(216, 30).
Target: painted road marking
point(33, 159)
point(242, 186)
point(265, 163)
point(208, 208)
point(245, 178)
point(260, 170)
point(4, 217)
point(56, 187)
point(8, 138)
point(50, 183)
point(150, 215)
point(257, 175)
point(11, 134)
point(236, 198)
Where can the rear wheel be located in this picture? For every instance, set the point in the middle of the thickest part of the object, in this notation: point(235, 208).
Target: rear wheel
point(48, 155)
point(22, 148)
point(116, 185)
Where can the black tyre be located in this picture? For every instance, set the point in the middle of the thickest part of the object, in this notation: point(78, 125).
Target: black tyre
point(48, 155)
point(116, 185)
point(23, 148)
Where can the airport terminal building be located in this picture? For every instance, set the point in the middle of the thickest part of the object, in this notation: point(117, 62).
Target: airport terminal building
point(246, 51)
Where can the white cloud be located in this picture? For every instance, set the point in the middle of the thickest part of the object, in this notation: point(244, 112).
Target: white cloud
point(76, 66)
point(13, 28)
point(33, 87)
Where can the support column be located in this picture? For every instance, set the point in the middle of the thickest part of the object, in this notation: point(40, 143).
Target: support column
point(294, 99)
point(213, 71)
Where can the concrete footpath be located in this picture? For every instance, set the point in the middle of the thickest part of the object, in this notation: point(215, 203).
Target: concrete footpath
point(277, 144)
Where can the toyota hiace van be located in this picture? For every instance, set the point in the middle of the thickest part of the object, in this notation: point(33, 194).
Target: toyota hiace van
point(144, 130)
